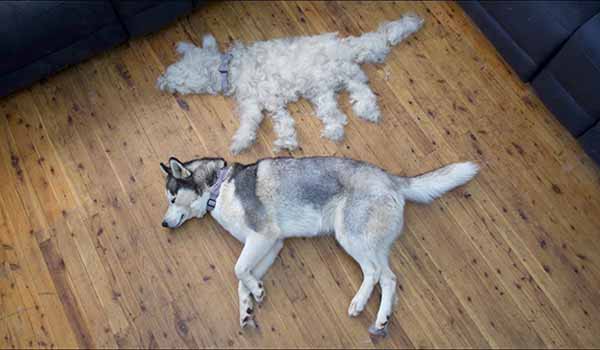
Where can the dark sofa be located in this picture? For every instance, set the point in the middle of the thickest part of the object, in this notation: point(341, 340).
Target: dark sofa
point(38, 38)
point(555, 46)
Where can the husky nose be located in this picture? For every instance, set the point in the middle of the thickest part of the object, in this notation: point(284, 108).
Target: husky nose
point(164, 224)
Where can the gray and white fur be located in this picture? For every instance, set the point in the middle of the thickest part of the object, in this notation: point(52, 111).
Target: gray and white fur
point(262, 204)
point(267, 75)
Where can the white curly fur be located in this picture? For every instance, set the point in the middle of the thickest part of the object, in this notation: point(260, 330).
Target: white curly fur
point(267, 75)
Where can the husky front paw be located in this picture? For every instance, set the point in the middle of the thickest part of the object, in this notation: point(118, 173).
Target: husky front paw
point(259, 293)
point(247, 319)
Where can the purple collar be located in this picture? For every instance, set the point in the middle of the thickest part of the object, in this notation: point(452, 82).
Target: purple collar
point(224, 71)
point(216, 189)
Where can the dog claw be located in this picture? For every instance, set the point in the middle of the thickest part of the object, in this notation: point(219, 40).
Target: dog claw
point(378, 332)
point(260, 296)
point(248, 321)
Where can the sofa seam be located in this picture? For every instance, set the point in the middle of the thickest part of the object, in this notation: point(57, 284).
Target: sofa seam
point(566, 92)
point(119, 19)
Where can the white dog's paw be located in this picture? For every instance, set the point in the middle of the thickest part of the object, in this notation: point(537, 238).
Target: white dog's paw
point(287, 143)
point(356, 306)
point(367, 111)
point(236, 148)
point(239, 144)
point(334, 132)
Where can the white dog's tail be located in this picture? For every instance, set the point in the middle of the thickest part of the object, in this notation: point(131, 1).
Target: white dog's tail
point(427, 187)
point(397, 31)
point(373, 47)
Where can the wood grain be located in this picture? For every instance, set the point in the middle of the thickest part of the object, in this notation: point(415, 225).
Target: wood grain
point(508, 261)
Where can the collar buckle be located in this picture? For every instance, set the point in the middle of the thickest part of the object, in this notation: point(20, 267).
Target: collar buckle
point(224, 70)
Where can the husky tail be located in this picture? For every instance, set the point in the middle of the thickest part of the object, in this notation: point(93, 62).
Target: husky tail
point(429, 186)
point(373, 47)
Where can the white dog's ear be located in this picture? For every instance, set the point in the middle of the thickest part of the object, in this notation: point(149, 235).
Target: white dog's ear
point(179, 170)
point(209, 42)
point(184, 46)
point(165, 169)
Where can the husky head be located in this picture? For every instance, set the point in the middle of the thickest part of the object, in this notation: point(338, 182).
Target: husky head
point(188, 188)
point(196, 72)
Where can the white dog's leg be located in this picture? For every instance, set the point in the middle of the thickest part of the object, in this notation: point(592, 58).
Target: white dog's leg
point(364, 101)
point(326, 108)
point(250, 118)
point(246, 304)
point(283, 123)
point(255, 249)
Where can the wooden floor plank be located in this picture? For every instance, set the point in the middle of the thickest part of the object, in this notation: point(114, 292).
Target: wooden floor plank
point(508, 261)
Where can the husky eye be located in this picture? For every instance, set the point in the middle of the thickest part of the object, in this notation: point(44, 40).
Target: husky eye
point(173, 200)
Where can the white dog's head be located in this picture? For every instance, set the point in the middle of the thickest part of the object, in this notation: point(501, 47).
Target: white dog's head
point(196, 72)
point(188, 188)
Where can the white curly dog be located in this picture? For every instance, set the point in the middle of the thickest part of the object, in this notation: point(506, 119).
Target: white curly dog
point(267, 75)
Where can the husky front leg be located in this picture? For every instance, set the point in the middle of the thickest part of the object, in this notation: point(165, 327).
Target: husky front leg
point(250, 118)
point(256, 248)
point(246, 304)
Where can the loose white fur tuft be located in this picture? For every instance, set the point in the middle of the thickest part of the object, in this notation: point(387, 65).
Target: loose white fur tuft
point(267, 75)
point(427, 187)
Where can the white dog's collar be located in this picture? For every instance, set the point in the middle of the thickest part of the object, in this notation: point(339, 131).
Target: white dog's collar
point(224, 70)
point(216, 189)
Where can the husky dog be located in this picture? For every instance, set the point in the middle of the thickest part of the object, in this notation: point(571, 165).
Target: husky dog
point(262, 204)
point(267, 75)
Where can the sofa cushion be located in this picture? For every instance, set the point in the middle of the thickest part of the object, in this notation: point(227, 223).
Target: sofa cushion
point(30, 30)
point(570, 84)
point(528, 33)
point(41, 37)
point(142, 17)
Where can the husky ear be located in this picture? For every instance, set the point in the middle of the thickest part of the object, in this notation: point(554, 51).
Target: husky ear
point(221, 163)
point(217, 164)
point(178, 169)
point(165, 169)
point(209, 42)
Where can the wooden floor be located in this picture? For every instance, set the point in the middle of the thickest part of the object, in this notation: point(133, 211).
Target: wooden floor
point(510, 260)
